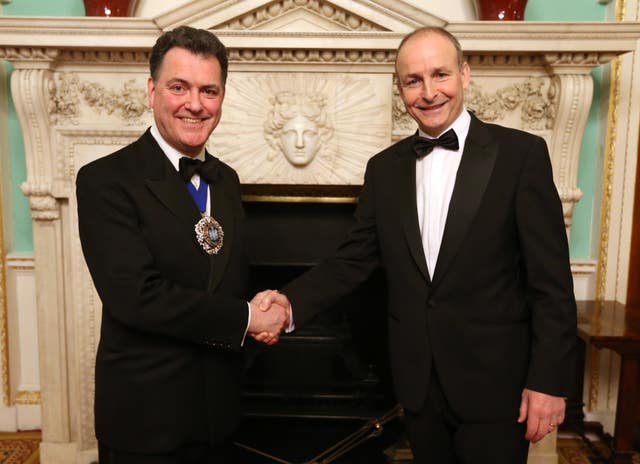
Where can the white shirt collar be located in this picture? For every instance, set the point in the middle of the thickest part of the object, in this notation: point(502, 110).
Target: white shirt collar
point(460, 126)
point(170, 152)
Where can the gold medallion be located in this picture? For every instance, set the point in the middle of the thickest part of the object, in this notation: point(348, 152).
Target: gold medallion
point(209, 234)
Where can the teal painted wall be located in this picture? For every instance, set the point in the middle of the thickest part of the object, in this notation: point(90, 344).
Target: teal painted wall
point(537, 10)
point(21, 216)
point(584, 215)
point(564, 10)
point(44, 8)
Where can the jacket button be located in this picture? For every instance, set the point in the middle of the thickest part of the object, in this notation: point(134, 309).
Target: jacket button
point(431, 304)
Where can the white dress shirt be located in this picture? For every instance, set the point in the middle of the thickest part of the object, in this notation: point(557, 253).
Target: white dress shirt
point(435, 179)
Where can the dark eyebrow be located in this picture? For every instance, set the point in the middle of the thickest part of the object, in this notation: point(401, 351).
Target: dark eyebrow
point(212, 86)
point(177, 80)
point(441, 69)
point(414, 75)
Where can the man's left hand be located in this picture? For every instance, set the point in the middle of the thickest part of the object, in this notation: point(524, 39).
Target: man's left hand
point(542, 412)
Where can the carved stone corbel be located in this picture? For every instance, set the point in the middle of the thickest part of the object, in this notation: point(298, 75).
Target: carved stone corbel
point(44, 206)
point(572, 88)
point(31, 89)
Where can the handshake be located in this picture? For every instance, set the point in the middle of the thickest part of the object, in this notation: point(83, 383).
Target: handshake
point(270, 315)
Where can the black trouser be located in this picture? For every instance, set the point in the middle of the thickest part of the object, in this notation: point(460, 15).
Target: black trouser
point(438, 437)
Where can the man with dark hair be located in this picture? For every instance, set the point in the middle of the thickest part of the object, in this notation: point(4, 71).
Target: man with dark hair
point(467, 223)
point(162, 230)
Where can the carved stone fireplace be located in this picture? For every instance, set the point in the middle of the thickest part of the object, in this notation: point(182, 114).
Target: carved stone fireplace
point(79, 89)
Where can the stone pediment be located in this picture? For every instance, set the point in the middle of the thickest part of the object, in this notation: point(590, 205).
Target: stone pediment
point(300, 16)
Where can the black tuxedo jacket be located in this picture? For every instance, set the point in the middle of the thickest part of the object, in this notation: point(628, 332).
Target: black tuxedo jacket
point(499, 312)
point(168, 361)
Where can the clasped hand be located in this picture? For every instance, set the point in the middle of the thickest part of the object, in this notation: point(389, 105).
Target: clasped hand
point(270, 315)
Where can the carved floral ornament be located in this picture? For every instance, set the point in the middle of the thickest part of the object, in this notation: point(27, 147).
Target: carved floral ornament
point(129, 102)
point(537, 109)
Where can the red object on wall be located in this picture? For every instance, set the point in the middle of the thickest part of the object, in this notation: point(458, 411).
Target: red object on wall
point(108, 7)
point(501, 10)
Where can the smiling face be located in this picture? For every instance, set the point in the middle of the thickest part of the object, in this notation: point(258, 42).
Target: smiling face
point(431, 82)
point(186, 99)
point(300, 140)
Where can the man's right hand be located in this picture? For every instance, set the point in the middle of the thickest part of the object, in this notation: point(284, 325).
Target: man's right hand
point(270, 315)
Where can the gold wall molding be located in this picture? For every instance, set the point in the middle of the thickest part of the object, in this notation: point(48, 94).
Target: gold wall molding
point(27, 397)
point(605, 213)
point(4, 333)
point(608, 172)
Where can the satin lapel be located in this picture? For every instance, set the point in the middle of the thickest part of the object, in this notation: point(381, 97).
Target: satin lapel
point(167, 186)
point(221, 210)
point(406, 201)
point(473, 175)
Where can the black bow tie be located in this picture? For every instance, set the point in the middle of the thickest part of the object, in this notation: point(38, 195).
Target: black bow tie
point(190, 166)
point(423, 146)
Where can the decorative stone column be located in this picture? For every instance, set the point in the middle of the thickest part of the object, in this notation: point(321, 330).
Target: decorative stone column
point(30, 83)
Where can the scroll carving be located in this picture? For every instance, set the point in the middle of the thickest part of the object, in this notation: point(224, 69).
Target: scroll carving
point(18, 54)
point(578, 59)
point(44, 206)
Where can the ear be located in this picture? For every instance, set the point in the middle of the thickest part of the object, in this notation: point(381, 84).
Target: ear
point(151, 89)
point(466, 74)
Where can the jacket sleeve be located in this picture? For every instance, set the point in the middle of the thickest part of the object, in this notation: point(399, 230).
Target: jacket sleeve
point(549, 284)
point(355, 260)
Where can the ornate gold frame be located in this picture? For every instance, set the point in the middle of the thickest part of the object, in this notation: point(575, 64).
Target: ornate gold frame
point(605, 213)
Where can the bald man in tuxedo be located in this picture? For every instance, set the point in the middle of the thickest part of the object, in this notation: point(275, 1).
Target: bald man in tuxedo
point(466, 221)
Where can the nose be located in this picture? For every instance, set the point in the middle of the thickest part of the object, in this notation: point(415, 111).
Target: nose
point(192, 102)
point(299, 139)
point(429, 90)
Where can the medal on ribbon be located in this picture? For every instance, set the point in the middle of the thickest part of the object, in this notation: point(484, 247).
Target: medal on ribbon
point(209, 234)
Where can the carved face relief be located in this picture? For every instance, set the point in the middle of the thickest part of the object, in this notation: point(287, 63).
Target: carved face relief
point(303, 128)
point(297, 127)
point(300, 140)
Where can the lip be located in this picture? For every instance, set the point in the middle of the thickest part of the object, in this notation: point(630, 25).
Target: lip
point(431, 108)
point(190, 120)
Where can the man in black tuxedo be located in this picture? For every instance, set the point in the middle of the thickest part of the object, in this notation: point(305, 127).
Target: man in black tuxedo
point(174, 315)
point(466, 221)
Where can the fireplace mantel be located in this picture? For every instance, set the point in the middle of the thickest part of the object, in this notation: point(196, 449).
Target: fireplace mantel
point(79, 90)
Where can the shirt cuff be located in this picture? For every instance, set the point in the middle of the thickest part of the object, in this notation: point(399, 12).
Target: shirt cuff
point(246, 329)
